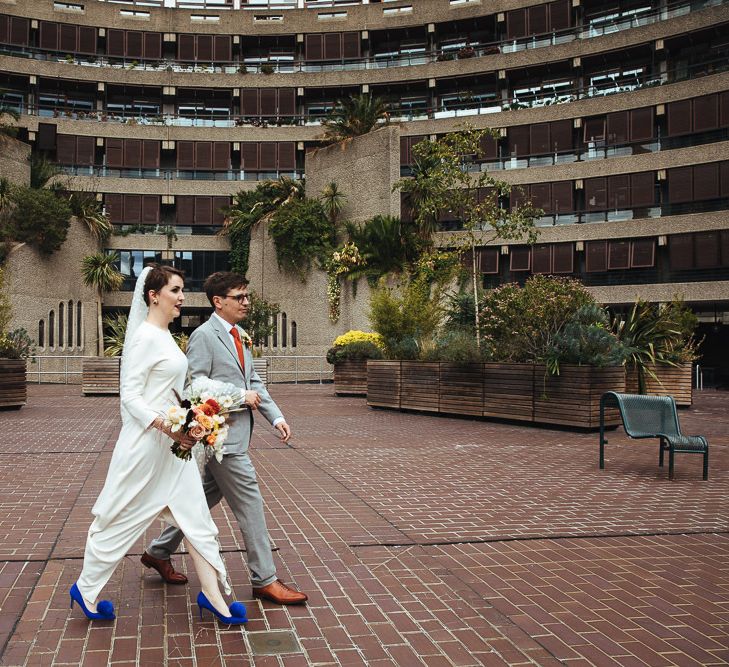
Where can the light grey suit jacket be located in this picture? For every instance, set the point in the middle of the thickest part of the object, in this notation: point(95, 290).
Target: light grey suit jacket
point(211, 353)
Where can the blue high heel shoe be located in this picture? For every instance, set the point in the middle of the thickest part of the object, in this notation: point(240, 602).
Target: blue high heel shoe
point(237, 611)
point(104, 610)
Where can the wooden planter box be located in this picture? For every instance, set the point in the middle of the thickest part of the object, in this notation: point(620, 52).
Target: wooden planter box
point(522, 392)
point(383, 383)
point(672, 381)
point(572, 398)
point(100, 375)
point(13, 387)
point(350, 378)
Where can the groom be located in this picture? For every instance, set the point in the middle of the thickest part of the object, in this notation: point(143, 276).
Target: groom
point(218, 350)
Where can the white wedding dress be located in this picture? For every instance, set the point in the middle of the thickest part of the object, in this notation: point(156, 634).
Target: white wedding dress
point(145, 480)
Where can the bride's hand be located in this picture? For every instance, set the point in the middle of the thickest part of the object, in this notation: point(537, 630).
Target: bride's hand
point(186, 441)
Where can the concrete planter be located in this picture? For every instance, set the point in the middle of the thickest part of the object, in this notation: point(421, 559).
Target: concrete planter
point(13, 387)
point(350, 378)
point(523, 392)
point(671, 381)
point(100, 375)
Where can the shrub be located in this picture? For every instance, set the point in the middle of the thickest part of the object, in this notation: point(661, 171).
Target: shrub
point(16, 344)
point(586, 339)
point(407, 319)
point(519, 324)
point(456, 346)
point(356, 336)
point(355, 351)
point(37, 217)
point(301, 231)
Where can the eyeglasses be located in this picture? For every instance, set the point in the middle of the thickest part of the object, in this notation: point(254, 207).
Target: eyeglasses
point(240, 298)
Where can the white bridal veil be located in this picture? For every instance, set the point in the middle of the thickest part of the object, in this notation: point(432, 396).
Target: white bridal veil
point(138, 312)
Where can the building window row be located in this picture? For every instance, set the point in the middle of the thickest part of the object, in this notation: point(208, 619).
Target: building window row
point(197, 264)
point(63, 327)
point(538, 26)
point(672, 258)
point(675, 191)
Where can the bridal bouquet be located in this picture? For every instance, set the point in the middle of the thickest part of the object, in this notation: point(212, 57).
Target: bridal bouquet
point(201, 413)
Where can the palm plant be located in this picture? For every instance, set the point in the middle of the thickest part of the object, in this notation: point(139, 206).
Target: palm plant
point(8, 129)
point(90, 212)
point(647, 338)
point(385, 243)
point(354, 116)
point(42, 170)
point(332, 199)
point(115, 327)
point(5, 194)
point(99, 271)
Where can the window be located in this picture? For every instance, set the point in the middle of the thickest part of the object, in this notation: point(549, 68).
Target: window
point(275, 331)
point(293, 333)
point(41, 333)
point(284, 331)
point(69, 325)
point(61, 308)
point(79, 323)
point(51, 329)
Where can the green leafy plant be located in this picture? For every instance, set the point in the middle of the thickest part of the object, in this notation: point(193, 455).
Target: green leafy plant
point(115, 328)
point(16, 344)
point(99, 271)
point(301, 231)
point(587, 340)
point(456, 346)
point(261, 320)
point(519, 324)
point(267, 68)
point(39, 218)
point(357, 350)
point(443, 181)
point(90, 212)
point(387, 245)
point(341, 262)
point(653, 335)
point(332, 199)
point(407, 318)
point(354, 116)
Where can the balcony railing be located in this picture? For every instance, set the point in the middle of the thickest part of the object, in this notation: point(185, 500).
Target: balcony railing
point(547, 97)
point(177, 174)
point(596, 28)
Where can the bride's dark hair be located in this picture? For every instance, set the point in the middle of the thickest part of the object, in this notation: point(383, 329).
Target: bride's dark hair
point(158, 276)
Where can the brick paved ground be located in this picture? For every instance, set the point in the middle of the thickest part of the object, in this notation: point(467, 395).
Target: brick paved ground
point(421, 541)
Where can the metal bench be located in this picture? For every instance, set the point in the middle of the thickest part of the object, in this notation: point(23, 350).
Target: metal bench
point(652, 417)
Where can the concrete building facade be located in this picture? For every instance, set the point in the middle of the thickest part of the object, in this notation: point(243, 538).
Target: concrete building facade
point(613, 119)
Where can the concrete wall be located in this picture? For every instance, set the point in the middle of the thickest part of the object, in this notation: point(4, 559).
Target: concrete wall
point(364, 169)
point(37, 284)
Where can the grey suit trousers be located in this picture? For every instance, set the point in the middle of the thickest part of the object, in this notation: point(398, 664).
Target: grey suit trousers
point(235, 479)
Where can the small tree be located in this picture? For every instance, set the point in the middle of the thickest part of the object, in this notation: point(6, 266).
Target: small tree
point(99, 271)
point(332, 199)
point(354, 116)
point(39, 218)
point(443, 181)
point(261, 319)
point(90, 212)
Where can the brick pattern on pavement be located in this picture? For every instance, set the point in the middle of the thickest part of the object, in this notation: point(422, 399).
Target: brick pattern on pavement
point(421, 541)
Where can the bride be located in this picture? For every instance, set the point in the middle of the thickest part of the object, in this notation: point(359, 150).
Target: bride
point(145, 480)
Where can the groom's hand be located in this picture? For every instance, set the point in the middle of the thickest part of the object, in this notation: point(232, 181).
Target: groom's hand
point(284, 431)
point(253, 400)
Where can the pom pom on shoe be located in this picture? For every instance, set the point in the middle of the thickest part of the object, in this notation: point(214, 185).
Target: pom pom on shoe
point(105, 607)
point(238, 610)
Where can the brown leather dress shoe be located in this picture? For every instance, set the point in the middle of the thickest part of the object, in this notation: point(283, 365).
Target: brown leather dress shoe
point(280, 593)
point(165, 569)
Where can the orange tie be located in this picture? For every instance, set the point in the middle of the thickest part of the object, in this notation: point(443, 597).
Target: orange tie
point(238, 347)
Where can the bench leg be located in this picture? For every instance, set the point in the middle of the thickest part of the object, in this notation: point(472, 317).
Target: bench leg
point(706, 464)
point(670, 462)
point(661, 447)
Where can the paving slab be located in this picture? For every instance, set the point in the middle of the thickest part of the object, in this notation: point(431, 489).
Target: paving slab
point(421, 540)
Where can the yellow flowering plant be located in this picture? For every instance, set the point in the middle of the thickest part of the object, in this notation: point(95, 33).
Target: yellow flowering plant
point(356, 345)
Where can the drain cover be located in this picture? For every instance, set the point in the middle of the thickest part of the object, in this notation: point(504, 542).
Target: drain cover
point(273, 642)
